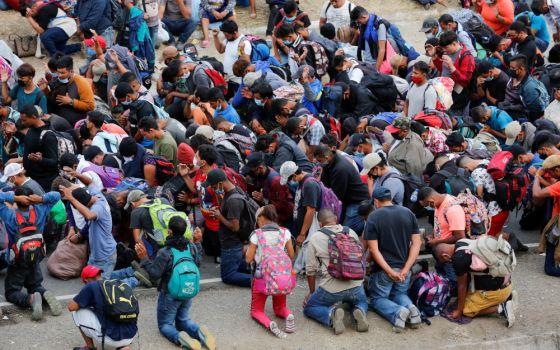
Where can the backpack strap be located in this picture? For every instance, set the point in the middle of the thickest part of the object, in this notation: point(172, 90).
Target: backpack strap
point(21, 220)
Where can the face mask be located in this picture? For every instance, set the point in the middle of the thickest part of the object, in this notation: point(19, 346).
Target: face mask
point(63, 81)
point(219, 191)
point(512, 73)
point(429, 207)
point(54, 75)
point(417, 80)
point(259, 103)
point(430, 35)
point(126, 102)
point(288, 43)
point(186, 75)
point(293, 184)
point(490, 78)
point(359, 154)
point(543, 156)
point(21, 83)
point(128, 159)
point(324, 164)
point(290, 19)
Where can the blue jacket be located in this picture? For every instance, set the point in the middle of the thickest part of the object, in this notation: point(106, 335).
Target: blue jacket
point(94, 14)
point(534, 97)
point(140, 42)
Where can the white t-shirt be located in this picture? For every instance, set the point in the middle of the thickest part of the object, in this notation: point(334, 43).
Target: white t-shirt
point(339, 17)
point(64, 22)
point(271, 236)
point(231, 55)
point(96, 182)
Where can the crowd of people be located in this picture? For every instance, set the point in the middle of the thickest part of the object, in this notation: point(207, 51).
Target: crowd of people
point(308, 152)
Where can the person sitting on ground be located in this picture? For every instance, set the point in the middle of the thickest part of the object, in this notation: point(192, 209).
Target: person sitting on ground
point(164, 144)
point(494, 119)
point(213, 12)
point(491, 83)
point(74, 169)
point(281, 149)
point(176, 16)
point(107, 142)
point(379, 174)
point(422, 95)
point(221, 107)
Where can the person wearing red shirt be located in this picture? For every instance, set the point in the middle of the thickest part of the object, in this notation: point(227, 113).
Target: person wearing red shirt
point(497, 14)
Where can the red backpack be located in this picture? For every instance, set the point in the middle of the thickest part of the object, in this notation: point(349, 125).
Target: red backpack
point(510, 180)
point(217, 79)
point(235, 178)
point(435, 119)
point(29, 247)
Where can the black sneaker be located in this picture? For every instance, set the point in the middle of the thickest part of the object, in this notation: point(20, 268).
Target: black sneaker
point(143, 279)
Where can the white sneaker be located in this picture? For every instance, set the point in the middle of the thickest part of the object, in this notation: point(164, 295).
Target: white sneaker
point(290, 324)
point(276, 331)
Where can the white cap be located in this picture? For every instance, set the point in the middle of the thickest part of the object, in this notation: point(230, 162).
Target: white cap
point(512, 130)
point(370, 161)
point(205, 131)
point(286, 170)
point(10, 170)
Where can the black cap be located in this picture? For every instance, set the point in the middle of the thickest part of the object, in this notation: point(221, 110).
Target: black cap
point(213, 177)
point(254, 160)
point(82, 196)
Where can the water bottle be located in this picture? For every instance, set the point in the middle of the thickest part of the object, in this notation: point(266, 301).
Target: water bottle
point(414, 196)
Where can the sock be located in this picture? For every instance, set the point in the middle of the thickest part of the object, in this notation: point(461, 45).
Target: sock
point(500, 308)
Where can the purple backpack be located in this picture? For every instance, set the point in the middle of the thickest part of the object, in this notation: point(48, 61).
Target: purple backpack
point(346, 255)
point(110, 177)
point(430, 292)
point(329, 200)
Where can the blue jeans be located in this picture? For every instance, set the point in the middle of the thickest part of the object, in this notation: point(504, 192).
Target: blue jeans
point(550, 267)
point(173, 317)
point(107, 265)
point(353, 220)
point(321, 303)
point(388, 297)
point(233, 268)
point(54, 40)
point(4, 6)
point(541, 44)
point(183, 28)
point(126, 276)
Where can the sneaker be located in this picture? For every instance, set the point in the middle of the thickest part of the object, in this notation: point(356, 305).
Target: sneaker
point(362, 324)
point(217, 260)
point(136, 266)
point(37, 306)
point(508, 313)
point(180, 46)
point(337, 319)
point(206, 338)
point(414, 318)
point(276, 331)
point(290, 324)
point(188, 342)
point(514, 297)
point(144, 279)
point(54, 304)
point(400, 322)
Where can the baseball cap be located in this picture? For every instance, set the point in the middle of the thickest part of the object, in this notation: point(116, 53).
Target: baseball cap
point(168, 52)
point(400, 123)
point(551, 162)
point(10, 170)
point(428, 24)
point(356, 140)
point(381, 193)
point(512, 130)
point(299, 72)
point(133, 196)
point(213, 177)
point(100, 40)
point(371, 160)
point(81, 195)
point(206, 131)
point(286, 170)
point(254, 160)
point(90, 271)
point(98, 69)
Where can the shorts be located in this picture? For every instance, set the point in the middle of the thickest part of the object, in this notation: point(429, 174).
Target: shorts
point(208, 15)
point(497, 223)
point(88, 323)
point(483, 299)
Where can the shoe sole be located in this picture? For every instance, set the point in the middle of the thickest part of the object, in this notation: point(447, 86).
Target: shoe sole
point(361, 322)
point(54, 304)
point(209, 339)
point(290, 324)
point(338, 321)
point(188, 342)
point(510, 314)
point(415, 320)
point(140, 277)
point(136, 266)
point(37, 307)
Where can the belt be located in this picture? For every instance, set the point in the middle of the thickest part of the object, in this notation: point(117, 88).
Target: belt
point(505, 285)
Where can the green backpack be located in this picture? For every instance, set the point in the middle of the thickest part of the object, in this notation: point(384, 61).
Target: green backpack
point(161, 214)
point(185, 277)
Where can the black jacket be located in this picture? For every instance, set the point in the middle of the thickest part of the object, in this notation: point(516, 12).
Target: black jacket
point(361, 103)
point(45, 170)
point(345, 181)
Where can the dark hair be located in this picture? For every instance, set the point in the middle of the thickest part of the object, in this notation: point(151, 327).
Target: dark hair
point(68, 159)
point(217, 121)
point(292, 125)
point(521, 7)
point(277, 105)
point(483, 67)
point(447, 38)
point(446, 18)
point(329, 140)
point(84, 132)
point(455, 139)
point(517, 150)
point(147, 123)
point(269, 213)
point(477, 113)
point(290, 6)
point(122, 90)
point(128, 77)
point(338, 60)
point(52, 63)
point(494, 42)
point(229, 26)
point(30, 111)
point(284, 30)
point(322, 151)
point(128, 147)
point(554, 54)
point(328, 31)
point(519, 27)
point(263, 142)
point(358, 12)
point(25, 70)
point(421, 66)
point(215, 94)
point(202, 93)
point(425, 193)
point(521, 59)
point(96, 118)
point(177, 225)
point(197, 141)
point(240, 66)
point(417, 127)
point(538, 6)
point(544, 139)
point(172, 70)
point(525, 20)
point(65, 62)
point(264, 89)
point(23, 191)
point(208, 153)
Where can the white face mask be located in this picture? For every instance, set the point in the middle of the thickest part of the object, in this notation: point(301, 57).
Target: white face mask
point(128, 159)
point(430, 35)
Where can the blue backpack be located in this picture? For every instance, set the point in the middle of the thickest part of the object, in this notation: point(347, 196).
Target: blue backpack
point(430, 292)
point(184, 283)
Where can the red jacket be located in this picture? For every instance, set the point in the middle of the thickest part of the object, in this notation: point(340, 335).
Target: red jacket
point(464, 67)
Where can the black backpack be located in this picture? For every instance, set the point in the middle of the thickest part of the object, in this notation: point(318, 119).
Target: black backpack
point(412, 184)
point(283, 72)
point(549, 75)
point(480, 30)
point(383, 88)
point(118, 15)
point(457, 183)
point(247, 221)
point(229, 157)
point(121, 305)
point(213, 61)
point(165, 170)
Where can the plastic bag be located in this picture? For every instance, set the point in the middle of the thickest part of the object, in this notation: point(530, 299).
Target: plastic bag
point(162, 34)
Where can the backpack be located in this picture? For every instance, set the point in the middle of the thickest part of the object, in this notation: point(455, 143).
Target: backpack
point(282, 71)
point(316, 56)
point(435, 119)
point(490, 141)
point(444, 91)
point(511, 181)
point(346, 256)
point(497, 254)
point(404, 48)
point(477, 221)
point(184, 283)
point(118, 15)
point(412, 184)
point(65, 142)
point(230, 157)
point(331, 125)
point(457, 183)
point(430, 292)
point(110, 177)
point(132, 183)
point(235, 178)
point(213, 61)
point(259, 48)
point(544, 98)
point(549, 75)
point(29, 246)
point(165, 170)
point(248, 218)
point(218, 80)
point(480, 30)
point(121, 305)
point(329, 200)
point(160, 214)
point(330, 101)
point(384, 89)
point(159, 111)
point(274, 274)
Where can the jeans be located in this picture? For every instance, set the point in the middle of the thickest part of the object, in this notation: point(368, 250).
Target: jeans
point(4, 6)
point(109, 36)
point(18, 277)
point(541, 44)
point(388, 297)
point(107, 265)
point(126, 276)
point(321, 303)
point(550, 267)
point(54, 40)
point(183, 28)
point(258, 302)
point(154, 35)
point(173, 317)
point(233, 268)
point(353, 220)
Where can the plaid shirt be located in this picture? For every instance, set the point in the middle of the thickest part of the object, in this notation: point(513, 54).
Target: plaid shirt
point(315, 131)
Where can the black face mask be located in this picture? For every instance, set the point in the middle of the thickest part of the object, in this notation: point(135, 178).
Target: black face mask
point(543, 156)
point(21, 83)
point(512, 73)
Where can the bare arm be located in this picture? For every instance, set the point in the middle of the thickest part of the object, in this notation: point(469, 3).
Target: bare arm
point(250, 254)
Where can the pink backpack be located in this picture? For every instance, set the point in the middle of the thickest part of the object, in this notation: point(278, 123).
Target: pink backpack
point(274, 275)
point(346, 256)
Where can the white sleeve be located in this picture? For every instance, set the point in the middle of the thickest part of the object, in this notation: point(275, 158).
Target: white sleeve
point(430, 98)
point(356, 75)
point(324, 10)
point(253, 239)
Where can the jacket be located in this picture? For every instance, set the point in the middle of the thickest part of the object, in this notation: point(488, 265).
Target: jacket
point(464, 67)
point(531, 93)
point(140, 42)
point(278, 195)
point(345, 181)
point(287, 151)
point(45, 170)
point(360, 103)
point(135, 168)
point(94, 14)
point(410, 155)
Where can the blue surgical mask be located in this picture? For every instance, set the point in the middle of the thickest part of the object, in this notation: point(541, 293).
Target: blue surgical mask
point(219, 191)
point(126, 102)
point(290, 19)
point(54, 75)
point(219, 108)
point(489, 79)
point(64, 81)
point(359, 154)
point(90, 52)
point(288, 43)
point(259, 103)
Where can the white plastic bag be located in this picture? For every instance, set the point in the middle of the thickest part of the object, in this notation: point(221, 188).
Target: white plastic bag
point(162, 34)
